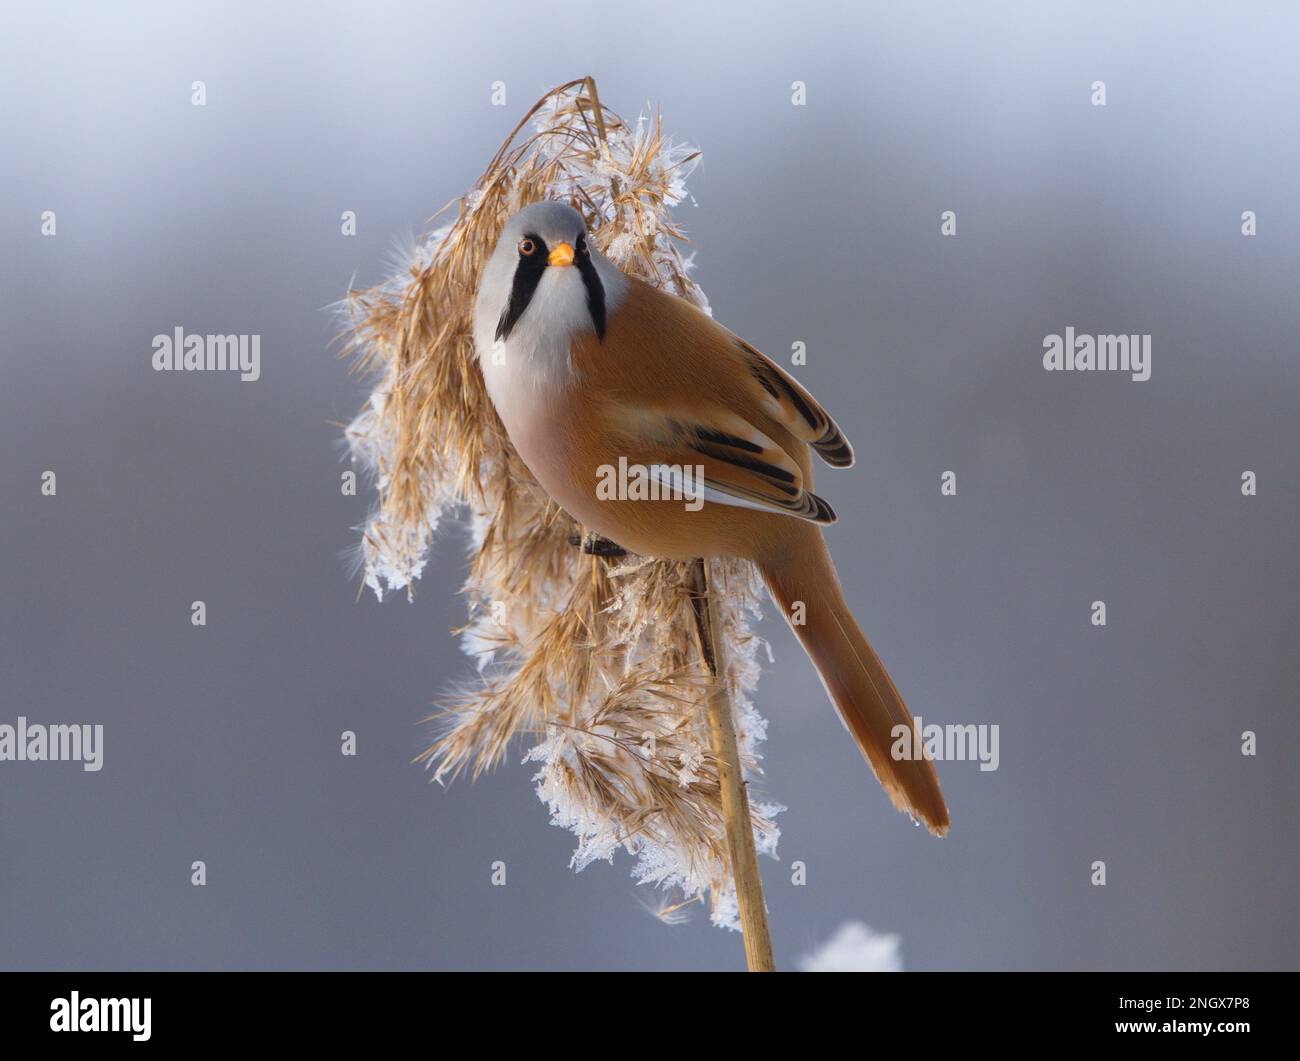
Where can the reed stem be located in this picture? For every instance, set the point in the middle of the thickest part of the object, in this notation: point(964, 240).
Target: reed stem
point(735, 800)
point(722, 728)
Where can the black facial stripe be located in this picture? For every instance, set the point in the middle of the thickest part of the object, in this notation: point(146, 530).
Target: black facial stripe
point(528, 274)
point(595, 290)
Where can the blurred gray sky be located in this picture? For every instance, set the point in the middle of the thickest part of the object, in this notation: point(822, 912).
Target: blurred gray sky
point(818, 224)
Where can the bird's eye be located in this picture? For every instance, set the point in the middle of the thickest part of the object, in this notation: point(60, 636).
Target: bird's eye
point(527, 248)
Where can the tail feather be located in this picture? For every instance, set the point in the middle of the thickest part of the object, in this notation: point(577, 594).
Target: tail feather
point(857, 682)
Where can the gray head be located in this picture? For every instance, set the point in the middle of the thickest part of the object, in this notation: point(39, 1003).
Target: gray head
point(544, 280)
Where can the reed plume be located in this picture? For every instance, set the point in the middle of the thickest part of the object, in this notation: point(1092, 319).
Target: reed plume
point(593, 662)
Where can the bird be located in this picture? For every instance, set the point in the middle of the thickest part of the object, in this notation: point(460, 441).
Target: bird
point(587, 366)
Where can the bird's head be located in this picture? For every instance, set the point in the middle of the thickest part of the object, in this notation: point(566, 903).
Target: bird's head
point(545, 278)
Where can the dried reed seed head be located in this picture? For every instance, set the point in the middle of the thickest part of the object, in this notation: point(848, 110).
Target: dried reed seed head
point(597, 662)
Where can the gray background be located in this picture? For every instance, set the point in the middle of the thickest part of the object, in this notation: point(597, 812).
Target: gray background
point(819, 224)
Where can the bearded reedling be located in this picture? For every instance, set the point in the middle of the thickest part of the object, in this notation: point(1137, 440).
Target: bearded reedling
point(586, 365)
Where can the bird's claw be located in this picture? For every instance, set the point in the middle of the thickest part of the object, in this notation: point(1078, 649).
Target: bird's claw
point(595, 545)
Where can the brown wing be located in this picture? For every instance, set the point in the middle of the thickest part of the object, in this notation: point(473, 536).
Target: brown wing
point(676, 387)
point(786, 401)
point(741, 465)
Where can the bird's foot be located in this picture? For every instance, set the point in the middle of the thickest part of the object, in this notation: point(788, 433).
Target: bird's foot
point(595, 545)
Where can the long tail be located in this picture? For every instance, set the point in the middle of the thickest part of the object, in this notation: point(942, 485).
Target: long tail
point(868, 702)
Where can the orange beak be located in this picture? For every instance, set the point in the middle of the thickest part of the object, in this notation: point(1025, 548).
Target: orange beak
point(561, 254)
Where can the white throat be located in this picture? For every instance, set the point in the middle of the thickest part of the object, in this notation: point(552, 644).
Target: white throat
point(534, 360)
